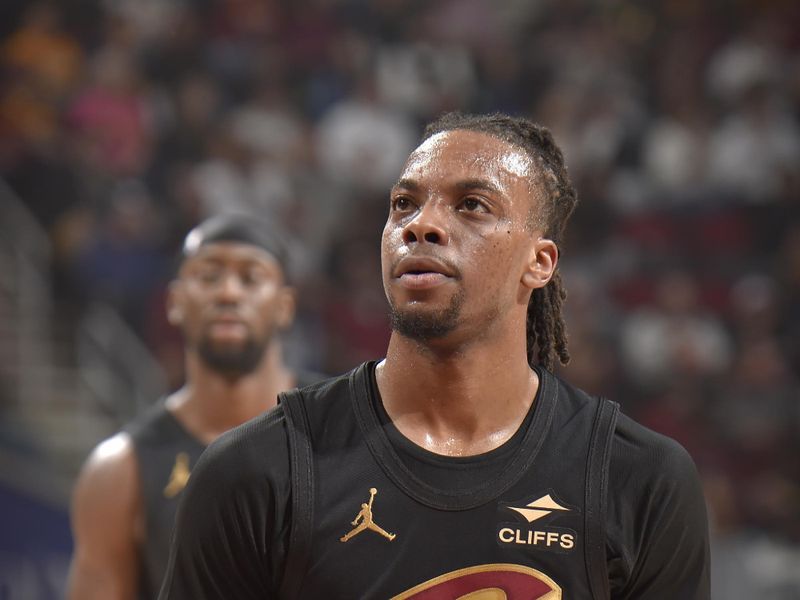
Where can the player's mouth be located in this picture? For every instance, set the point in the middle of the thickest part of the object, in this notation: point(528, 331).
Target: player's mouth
point(422, 273)
point(228, 328)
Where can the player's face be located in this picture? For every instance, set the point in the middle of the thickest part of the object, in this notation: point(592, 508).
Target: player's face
point(459, 239)
point(229, 300)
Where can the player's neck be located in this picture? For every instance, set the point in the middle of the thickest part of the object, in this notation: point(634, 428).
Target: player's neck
point(211, 403)
point(463, 402)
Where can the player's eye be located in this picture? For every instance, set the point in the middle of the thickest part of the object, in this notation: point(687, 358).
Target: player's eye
point(208, 275)
point(254, 277)
point(402, 203)
point(473, 205)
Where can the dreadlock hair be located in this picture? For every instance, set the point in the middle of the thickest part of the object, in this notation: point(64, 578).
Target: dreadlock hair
point(545, 330)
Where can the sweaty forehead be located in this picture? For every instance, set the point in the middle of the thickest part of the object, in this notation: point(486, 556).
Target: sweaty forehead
point(469, 151)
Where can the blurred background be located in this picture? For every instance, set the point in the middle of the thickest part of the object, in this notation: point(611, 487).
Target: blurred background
point(125, 122)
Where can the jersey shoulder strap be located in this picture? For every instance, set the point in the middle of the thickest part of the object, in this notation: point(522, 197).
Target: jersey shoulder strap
point(596, 493)
point(302, 480)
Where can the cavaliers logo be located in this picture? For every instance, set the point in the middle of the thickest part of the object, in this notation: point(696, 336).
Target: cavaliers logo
point(487, 582)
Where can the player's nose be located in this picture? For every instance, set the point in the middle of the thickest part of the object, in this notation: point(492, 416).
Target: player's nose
point(428, 225)
point(230, 288)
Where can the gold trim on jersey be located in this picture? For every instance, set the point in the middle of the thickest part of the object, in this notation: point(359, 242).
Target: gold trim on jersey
point(491, 593)
point(487, 594)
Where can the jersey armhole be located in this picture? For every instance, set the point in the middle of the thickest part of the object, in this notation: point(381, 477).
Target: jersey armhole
point(596, 494)
point(302, 493)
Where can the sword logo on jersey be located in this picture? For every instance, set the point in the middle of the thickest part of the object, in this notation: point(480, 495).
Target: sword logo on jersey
point(179, 476)
point(540, 536)
point(363, 521)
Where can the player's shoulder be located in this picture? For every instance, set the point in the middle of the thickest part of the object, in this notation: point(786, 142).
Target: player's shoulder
point(652, 474)
point(112, 454)
point(327, 387)
point(328, 404)
point(641, 451)
point(110, 471)
point(328, 397)
point(635, 449)
point(256, 450)
point(265, 435)
point(252, 439)
point(655, 511)
point(571, 402)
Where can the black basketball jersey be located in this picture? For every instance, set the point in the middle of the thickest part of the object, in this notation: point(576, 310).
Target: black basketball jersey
point(165, 453)
point(313, 500)
point(534, 529)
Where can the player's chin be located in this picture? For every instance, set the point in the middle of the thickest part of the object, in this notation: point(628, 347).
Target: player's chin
point(419, 305)
point(227, 344)
point(424, 320)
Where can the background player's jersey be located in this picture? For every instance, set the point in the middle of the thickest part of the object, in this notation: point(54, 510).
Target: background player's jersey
point(165, 453)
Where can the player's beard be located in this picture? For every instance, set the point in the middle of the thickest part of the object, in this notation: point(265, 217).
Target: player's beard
point(233, 362)
point(424, 326)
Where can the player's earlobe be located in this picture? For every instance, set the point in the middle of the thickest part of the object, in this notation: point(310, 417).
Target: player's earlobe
point(541, 264)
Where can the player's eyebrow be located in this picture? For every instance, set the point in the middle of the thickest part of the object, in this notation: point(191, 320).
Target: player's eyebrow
point(478, 184)
point(407, 184)
point(205, 259)
point(465, 185)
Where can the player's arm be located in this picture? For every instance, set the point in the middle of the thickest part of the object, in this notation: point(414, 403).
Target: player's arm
point(106, 513)
point(658, 526)
point(232, 520)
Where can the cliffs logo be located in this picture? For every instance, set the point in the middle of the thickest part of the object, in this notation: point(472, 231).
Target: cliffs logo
point(487, 582)
point(540, 536)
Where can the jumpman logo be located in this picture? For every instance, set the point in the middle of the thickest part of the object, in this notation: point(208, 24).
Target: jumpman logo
point(364, 521)
point(179, 476)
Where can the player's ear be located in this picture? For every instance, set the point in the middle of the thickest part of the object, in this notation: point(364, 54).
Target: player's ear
point(542, 262)
point(175, 293)
point(286, 307)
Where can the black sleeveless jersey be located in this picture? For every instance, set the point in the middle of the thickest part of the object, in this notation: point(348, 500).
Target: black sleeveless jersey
point(165, 453)
point(315, 500)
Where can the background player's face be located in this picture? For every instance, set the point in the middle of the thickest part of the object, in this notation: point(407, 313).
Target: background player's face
point(229, 300)
point(458, 239)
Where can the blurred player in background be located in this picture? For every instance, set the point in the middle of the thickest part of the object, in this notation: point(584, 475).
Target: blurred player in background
point(231, 300)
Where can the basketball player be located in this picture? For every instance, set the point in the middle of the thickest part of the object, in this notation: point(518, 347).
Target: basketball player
point(231, 300)
point(478, 472)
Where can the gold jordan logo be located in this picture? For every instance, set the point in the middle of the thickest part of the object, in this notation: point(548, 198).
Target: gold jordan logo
point(364, 521)
point(178, 477)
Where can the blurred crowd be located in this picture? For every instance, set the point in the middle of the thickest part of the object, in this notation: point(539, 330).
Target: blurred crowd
point(125, 122)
